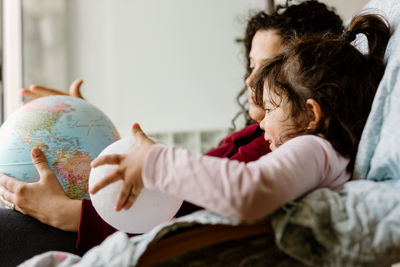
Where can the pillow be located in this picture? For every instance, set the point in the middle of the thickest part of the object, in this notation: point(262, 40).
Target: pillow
point(378, 156)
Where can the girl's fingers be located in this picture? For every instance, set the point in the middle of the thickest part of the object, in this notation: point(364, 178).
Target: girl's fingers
point(131, 199)
point(109, 179)
point(107, 159)
point(123, 195)
point(139, 135)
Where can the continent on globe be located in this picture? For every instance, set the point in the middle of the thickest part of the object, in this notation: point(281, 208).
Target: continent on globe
point(39, 117)
point(71, 165)
point(70, 131)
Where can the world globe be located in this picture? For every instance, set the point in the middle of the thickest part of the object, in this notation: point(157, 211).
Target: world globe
point(70, 131)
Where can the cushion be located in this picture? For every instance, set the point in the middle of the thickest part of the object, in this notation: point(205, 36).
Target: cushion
point(378, 156)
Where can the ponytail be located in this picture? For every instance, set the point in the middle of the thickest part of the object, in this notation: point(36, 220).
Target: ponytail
point(377, 31)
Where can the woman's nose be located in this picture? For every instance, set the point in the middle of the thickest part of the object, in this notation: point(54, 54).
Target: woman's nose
point(249, 80)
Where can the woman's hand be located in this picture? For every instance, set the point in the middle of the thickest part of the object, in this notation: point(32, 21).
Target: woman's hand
point(44, 200)
point(36, 91)
point(129, 170)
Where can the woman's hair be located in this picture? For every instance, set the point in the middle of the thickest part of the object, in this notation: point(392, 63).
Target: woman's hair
point(306, 18)
point(330, 70)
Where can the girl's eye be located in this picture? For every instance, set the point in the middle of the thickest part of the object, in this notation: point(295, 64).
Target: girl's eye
point(269, 109)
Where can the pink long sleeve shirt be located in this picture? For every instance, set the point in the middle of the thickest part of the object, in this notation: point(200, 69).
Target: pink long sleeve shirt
point(247, 191)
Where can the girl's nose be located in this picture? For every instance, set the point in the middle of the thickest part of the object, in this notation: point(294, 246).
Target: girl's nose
point(262, 124)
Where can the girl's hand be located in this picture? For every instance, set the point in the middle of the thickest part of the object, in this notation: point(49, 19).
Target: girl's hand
point(36, 91)
point(44, 200)
point(129, 170)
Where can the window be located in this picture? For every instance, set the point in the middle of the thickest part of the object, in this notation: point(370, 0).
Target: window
point(11, 63)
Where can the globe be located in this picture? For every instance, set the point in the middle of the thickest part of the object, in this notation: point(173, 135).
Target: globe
point(150, 208)
point(70, 131)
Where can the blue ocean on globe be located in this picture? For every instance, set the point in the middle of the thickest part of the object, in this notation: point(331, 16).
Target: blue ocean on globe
point(70, 131)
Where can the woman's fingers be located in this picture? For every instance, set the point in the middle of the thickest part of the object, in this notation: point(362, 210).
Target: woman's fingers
point(6, 196)
point(41, 165)
point(44, 91)
point(8, 187)
point(28, 93)
point(109, 179)
point(107, 159)
point(36, 91)
point(74, 89)
point(9, 183)
point(8, 203)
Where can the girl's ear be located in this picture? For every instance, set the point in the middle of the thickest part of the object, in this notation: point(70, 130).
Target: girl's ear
point(315, 113)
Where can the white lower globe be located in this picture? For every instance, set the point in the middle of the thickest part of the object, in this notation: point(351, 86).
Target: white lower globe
point(150, 208)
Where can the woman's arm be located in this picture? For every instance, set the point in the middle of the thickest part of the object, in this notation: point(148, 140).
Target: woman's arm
point(245, 145)
point(92, 228)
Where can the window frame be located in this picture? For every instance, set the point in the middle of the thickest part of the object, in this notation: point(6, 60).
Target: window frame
point(12, 56)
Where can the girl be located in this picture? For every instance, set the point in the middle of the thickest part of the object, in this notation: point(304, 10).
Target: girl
point(316, 94)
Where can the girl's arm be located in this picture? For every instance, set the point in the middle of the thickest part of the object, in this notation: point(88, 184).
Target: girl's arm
point(246, 191)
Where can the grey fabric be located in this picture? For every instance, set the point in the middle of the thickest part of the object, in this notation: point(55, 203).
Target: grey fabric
point(359, 226)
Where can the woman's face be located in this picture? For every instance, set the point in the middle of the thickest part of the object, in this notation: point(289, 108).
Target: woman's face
point(265, 44)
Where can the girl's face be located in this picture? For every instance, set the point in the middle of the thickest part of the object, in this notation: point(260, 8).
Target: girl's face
point(265, 44)
point(277, 120)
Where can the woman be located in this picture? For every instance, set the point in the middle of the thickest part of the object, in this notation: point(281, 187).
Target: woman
point(67, 221)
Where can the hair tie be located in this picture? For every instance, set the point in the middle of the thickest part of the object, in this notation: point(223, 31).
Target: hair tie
point(349, 36)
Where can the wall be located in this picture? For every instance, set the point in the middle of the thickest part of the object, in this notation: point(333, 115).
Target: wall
point(170, 65)
point(346, 8)
point(173, 66)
